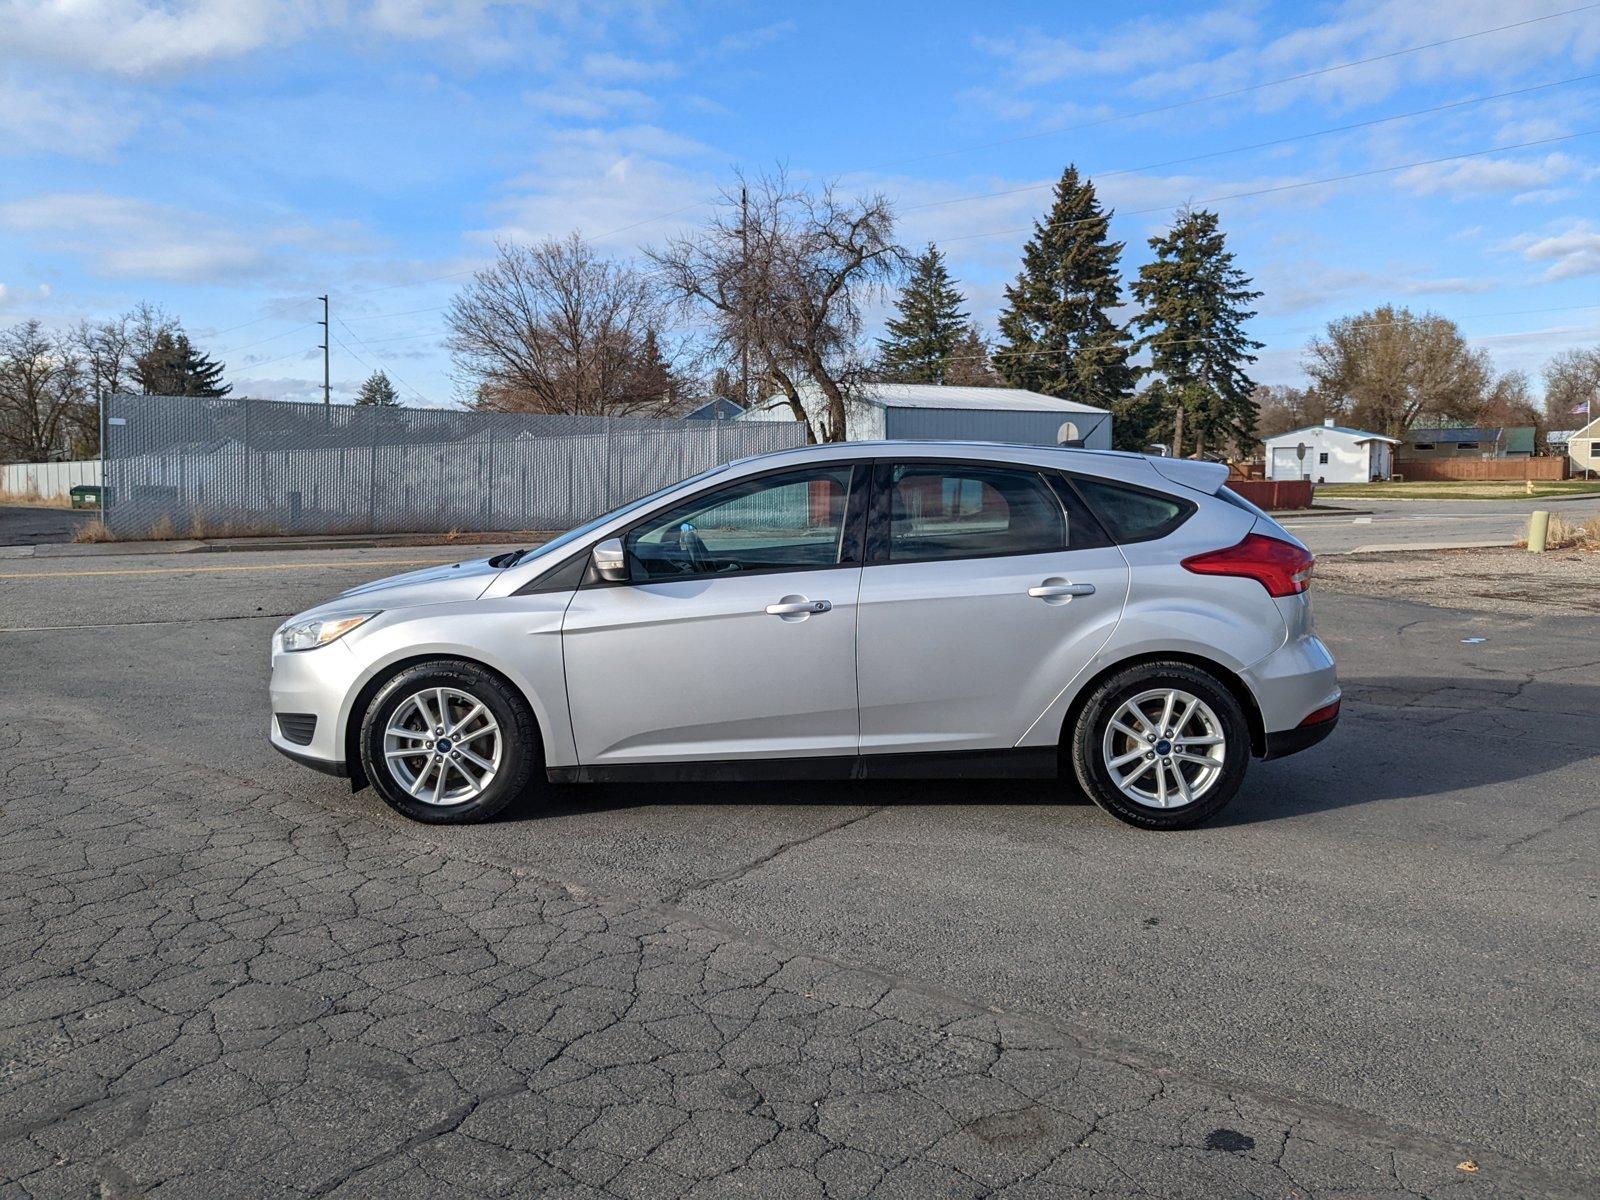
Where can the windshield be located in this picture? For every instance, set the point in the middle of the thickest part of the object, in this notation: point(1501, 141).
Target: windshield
point(573, 535)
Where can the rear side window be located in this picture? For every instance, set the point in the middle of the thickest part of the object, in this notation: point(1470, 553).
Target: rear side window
point(968, 510)
point(1133, 514)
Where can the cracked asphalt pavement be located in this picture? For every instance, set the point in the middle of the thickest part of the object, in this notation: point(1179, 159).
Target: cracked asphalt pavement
point(226, 976)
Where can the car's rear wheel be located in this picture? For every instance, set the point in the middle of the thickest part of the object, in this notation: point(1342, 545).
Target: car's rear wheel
point(1161, 745)
point(449, 742)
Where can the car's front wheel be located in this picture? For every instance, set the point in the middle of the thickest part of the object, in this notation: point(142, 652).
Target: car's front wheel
point(1161, 745)
point(448, 742)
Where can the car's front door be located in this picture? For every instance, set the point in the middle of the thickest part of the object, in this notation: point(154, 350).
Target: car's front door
point(734, 635)
point(987, 589)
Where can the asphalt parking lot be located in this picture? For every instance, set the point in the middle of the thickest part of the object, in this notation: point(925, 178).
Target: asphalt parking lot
point(1374, 976)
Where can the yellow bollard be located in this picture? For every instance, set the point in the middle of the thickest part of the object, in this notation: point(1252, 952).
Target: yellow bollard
point(1538, 530)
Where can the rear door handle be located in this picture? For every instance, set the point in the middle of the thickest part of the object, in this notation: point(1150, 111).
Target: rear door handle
point(1057, 589)
point(792, 606)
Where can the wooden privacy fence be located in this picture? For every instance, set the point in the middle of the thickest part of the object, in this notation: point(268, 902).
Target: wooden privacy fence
point(1432, 471)
point(1274, 494)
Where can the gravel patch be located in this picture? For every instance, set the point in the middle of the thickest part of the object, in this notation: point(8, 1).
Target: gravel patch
point(1501, 580)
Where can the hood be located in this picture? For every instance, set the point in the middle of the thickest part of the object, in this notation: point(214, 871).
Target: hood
point(431, 585)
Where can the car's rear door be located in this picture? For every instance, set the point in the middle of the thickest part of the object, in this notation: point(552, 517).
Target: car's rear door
point(988, 588)
point(734, 637)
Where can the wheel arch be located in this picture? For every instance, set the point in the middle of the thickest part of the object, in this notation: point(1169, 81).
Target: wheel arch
point(375, 683)
point(1227, 677)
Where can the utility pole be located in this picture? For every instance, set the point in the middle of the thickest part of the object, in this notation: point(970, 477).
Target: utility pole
point(744, 293)
point(326, 394)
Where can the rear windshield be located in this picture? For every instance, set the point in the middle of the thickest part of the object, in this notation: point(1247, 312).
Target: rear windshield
point(1238, 501)
point(1133, 514)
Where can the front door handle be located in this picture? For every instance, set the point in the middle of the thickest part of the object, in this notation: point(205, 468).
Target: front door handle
point(1060, 591)
point(798, 606)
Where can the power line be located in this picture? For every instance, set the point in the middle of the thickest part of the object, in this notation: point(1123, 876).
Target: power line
point(265, 340)
point(1107, 120)
point(1232, 92)
point(1298, 137)
point(1286, 187)
point(1194, 341)
point(384, 366)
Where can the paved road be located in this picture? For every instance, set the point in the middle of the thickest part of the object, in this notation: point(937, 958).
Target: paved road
point(21, 526)
point(222, 963)
point(1397, 524)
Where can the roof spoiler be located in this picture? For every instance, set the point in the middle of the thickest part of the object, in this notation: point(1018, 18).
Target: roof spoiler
point(1207, 477)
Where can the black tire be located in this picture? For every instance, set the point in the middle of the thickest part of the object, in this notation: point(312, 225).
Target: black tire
point(520, 748)
point(1087, 740)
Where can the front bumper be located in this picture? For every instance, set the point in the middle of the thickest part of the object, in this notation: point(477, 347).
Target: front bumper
point(316, 683)
point(326, 766)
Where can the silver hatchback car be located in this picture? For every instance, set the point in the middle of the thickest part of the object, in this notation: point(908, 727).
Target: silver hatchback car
point(865, 610)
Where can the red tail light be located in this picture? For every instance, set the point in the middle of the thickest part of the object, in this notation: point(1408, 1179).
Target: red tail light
point(1281, 568)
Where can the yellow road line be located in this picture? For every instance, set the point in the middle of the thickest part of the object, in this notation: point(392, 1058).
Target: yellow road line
point(387, 562)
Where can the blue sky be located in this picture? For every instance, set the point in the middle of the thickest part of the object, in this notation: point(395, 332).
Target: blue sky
point(232, 160)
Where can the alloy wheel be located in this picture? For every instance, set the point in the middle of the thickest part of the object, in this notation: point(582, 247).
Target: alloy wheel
point(442, 746)
point(1164, 748)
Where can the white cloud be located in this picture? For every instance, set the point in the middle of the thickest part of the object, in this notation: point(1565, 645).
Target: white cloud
point(1036, 58)
point(1570, 253)
point(1473, 176)
point(120, 236)
point(586, 102)
point(620, 186)
point(615, 68)
point(130, 37)
point(58, 120)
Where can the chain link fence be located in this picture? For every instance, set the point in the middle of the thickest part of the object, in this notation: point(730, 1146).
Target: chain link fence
point(183, 466)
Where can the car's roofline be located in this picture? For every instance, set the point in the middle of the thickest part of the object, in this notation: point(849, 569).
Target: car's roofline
point(930, 448)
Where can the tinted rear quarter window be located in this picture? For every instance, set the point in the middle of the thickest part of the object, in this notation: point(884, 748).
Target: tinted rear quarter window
point(1133, 514)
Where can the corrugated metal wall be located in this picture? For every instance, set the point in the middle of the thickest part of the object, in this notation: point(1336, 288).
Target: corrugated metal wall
point(986, 425)
point(260, 466)
point(48, 481)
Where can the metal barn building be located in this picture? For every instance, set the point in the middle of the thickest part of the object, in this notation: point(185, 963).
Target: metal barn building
point(934, 411)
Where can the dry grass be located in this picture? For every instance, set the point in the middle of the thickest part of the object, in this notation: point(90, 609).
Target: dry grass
point(34, 500)
point(1571, 535)
point(93, 530)
point(197, 529)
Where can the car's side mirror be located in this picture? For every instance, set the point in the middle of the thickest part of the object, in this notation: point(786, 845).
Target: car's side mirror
point(610, 561)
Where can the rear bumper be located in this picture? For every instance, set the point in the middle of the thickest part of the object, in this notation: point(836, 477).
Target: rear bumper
point(1292, 741)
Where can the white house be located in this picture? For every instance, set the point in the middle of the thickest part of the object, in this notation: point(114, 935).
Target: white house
point(1583, 446)
point(942, 413)
point(1330, 453)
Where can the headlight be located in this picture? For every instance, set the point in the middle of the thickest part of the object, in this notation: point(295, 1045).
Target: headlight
point(319, 631)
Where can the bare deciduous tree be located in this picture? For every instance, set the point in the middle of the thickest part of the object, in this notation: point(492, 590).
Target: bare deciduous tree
point(1387, 367)
point(557, 328)
point(41, 392)
point(787, 278)
point(1572, 387)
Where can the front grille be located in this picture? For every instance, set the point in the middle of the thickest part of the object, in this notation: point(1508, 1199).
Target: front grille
point(298, 727)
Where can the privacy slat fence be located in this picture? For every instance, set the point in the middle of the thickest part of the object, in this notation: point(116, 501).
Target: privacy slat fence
point(1482, 468)
point(187, 466)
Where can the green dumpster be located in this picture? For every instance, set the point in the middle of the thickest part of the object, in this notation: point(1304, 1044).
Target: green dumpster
point(86, 495)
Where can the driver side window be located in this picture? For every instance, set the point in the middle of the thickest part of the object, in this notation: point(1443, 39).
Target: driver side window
point(778, 522)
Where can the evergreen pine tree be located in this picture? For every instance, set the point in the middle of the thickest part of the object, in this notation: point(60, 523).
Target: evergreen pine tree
point(173, 367)
point(652, 387)
point(928, 332)
point(1195, 305)
point(1056, 336)
point(970, 366)
point(377, 390)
